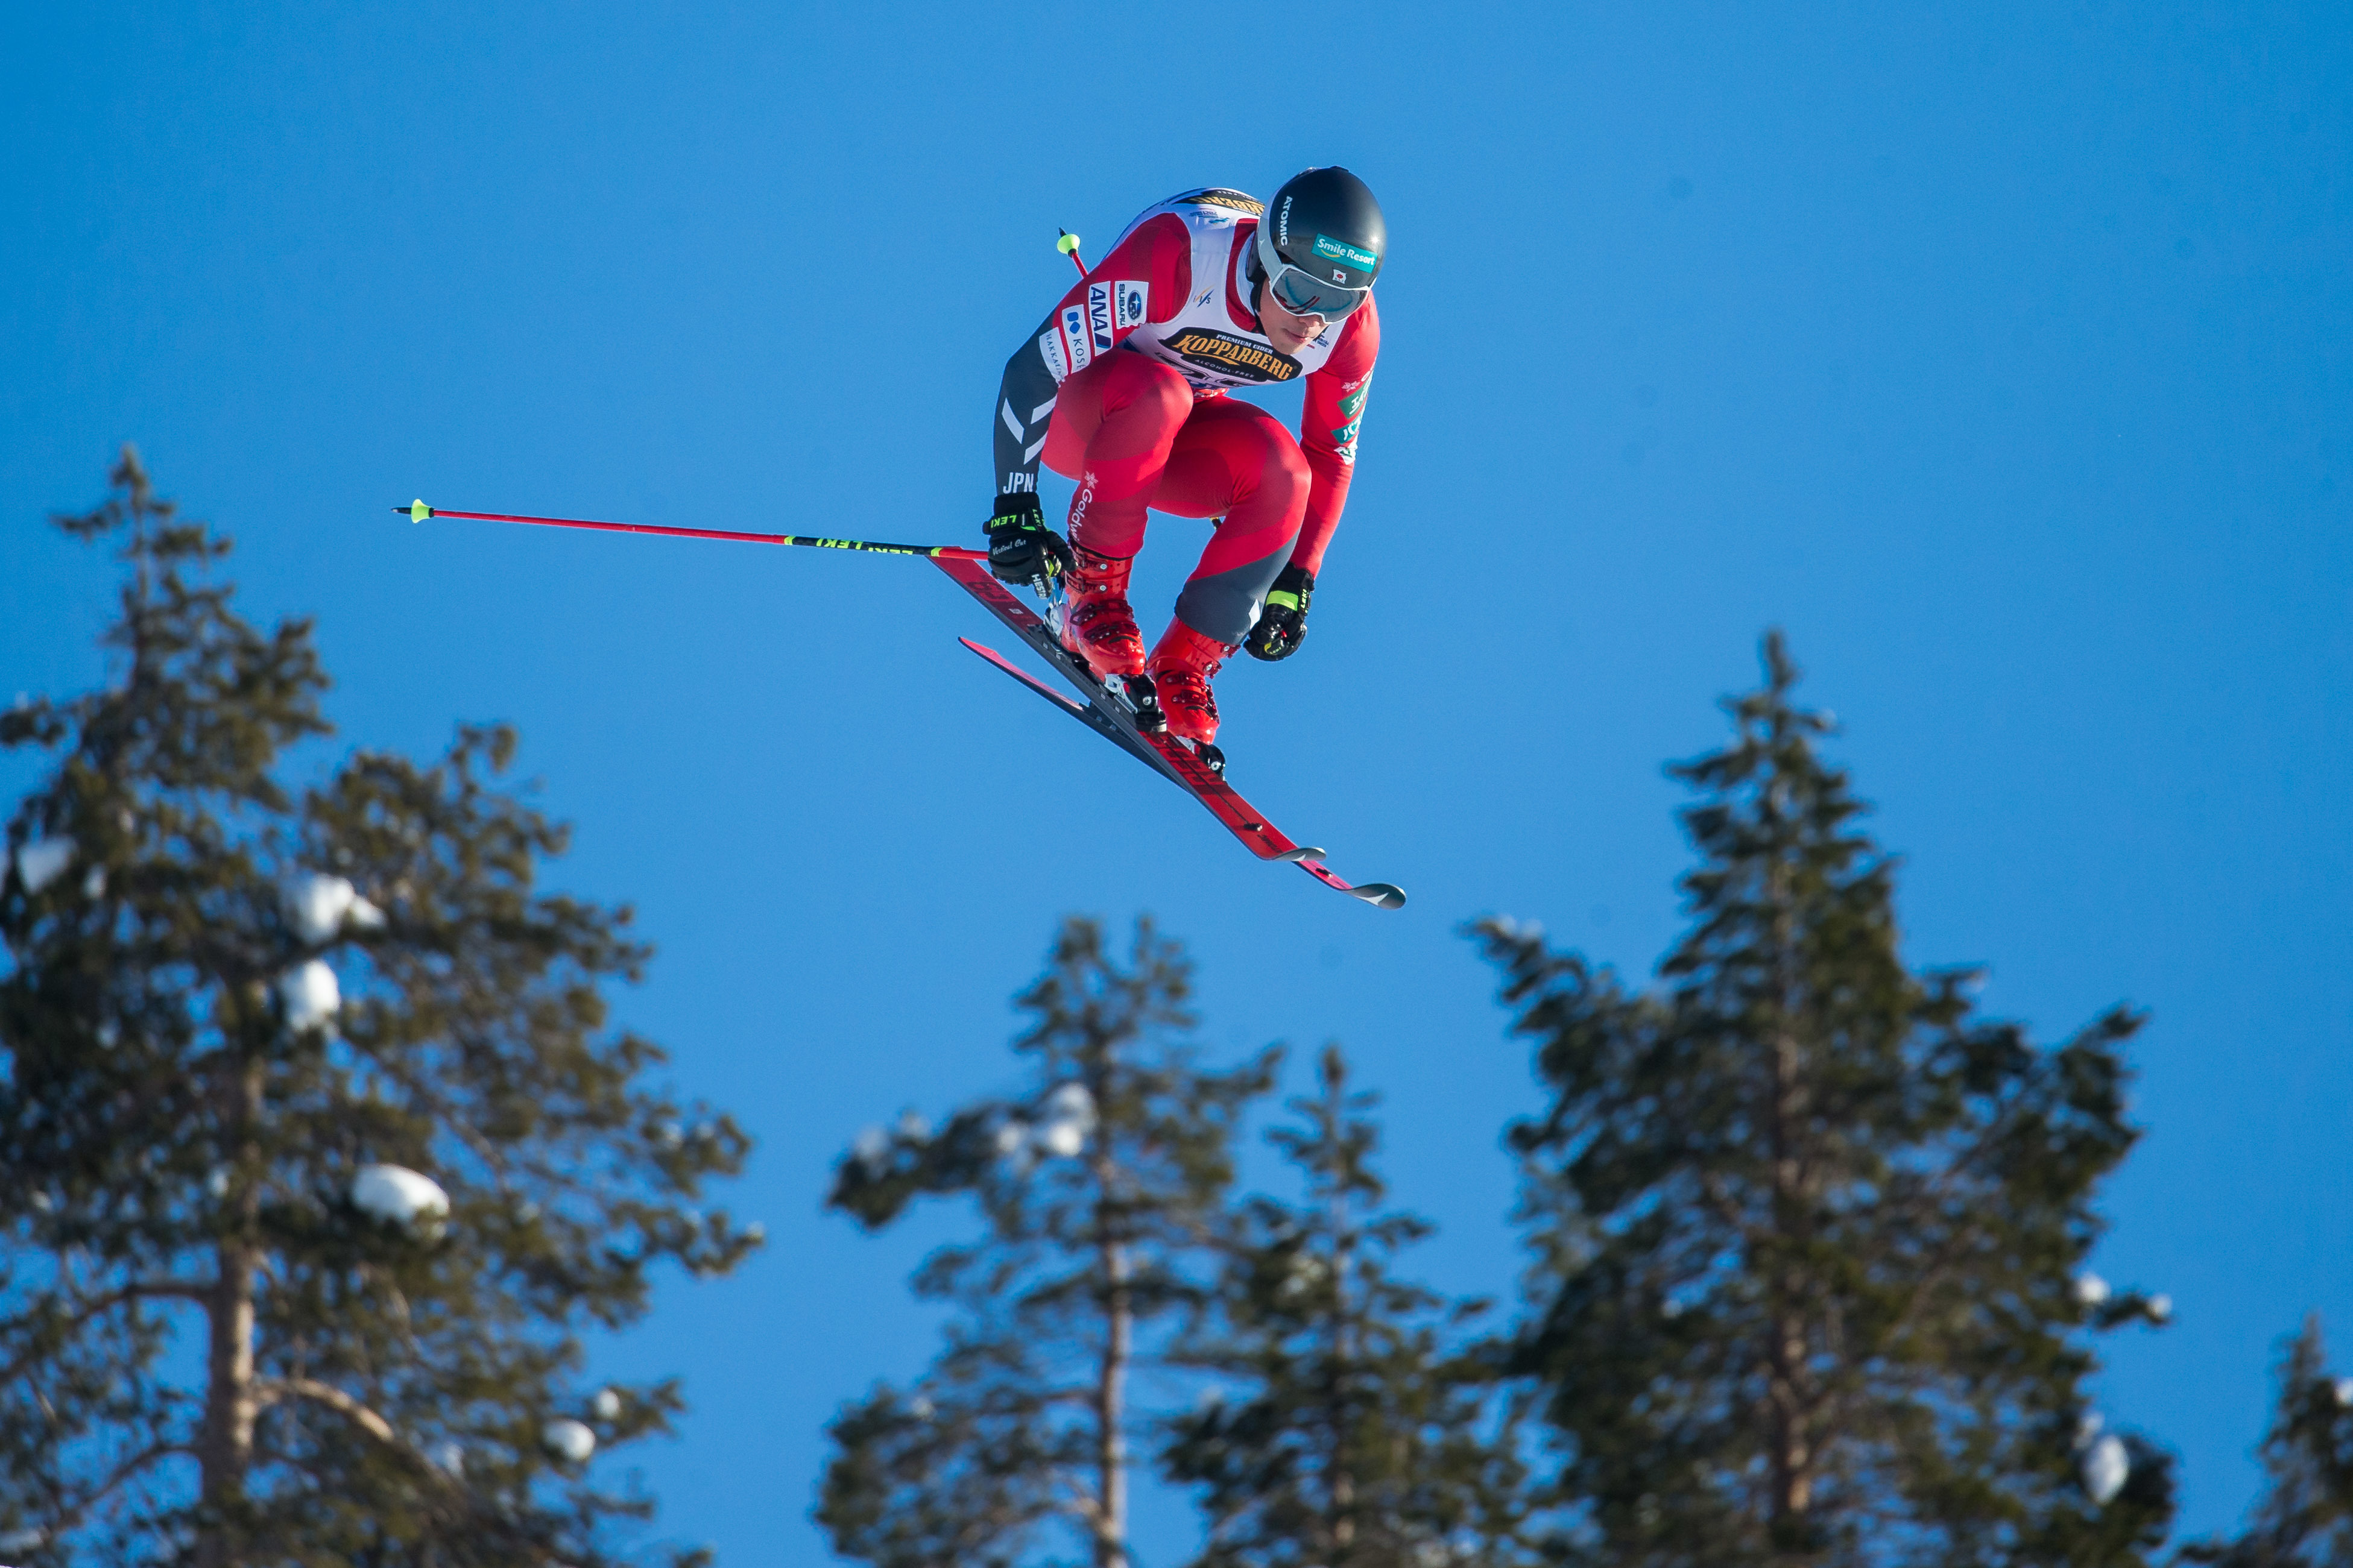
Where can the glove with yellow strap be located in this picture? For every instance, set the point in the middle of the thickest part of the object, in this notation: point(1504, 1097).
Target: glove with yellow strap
point(1021, 548)
point(1283, 624)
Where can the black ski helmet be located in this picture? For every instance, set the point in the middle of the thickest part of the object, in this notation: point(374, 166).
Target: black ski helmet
point(1325, 222)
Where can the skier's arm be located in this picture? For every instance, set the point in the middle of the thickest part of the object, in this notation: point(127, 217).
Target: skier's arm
point(1327, 432)
point(1144, 279)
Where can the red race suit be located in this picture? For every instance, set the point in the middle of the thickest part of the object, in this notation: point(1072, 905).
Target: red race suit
point(1123, 388)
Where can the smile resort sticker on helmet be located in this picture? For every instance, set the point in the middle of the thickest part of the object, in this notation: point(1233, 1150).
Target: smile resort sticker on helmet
point(1341, 250)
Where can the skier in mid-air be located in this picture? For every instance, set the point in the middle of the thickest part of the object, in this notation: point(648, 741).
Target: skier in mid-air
point(1123, 388)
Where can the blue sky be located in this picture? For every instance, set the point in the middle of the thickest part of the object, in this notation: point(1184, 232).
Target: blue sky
point(2002, 354)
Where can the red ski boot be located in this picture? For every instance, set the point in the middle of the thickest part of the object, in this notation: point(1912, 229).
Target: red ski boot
point(1181, 669)
point(1097, 624)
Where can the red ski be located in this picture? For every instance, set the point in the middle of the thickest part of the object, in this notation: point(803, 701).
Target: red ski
point(1113, 716)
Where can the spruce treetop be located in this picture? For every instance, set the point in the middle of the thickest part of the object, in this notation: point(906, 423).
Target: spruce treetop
point(1348, 1426)
point(2304, 1517)
point(1805, 1228)
point(1099, 1185)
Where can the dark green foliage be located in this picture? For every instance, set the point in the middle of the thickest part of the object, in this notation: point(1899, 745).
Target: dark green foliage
point(1345, 1434)
point(2305, 1518)
point(1092, 1251)
point(1804, 1226)
point(207, 1352)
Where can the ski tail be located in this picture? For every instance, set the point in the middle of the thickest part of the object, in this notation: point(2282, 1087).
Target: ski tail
point(1108, 715)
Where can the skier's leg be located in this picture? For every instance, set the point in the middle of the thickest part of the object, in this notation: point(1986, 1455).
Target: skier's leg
point(1235, 460)
point(1115, 423)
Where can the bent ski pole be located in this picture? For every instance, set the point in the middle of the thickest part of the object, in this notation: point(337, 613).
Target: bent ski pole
point(419, 512)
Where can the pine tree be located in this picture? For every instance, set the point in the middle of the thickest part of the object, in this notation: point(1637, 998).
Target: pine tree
point(1807, 1230)
point(1099, 1185)
point(1348, 1432)
point(2305, 1518)
point(315, 1157)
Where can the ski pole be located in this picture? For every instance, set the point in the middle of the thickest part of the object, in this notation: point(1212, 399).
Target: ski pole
point(419, 512)
point(1069, 246)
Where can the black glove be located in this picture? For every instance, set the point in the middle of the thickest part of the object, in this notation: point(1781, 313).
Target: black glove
point(1283, 624)
point(1021, 548)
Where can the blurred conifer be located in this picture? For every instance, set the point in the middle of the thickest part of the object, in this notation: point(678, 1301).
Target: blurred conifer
point(1806, 1229)
point(1100, 1186)
point(224, 999)
point(2304, 1517)
point(1344, 1429)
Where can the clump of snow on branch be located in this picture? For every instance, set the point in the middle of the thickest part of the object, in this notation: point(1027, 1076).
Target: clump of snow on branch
point(318, 906)
point(568, 1440)
point(1065, 1117)
point(2090, 1290)
point(606, 1406)
point(310, 994)
point(1070, 1117)
point(43, 861)
point(400, 1196)
point(1308, 1271)
point(1071, 1103)
point(2106, 1466)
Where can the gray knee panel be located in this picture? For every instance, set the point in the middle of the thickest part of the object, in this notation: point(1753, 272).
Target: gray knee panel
point(1225, 604)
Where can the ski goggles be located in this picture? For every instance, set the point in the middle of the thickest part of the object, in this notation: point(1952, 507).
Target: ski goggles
point(1304, 294)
